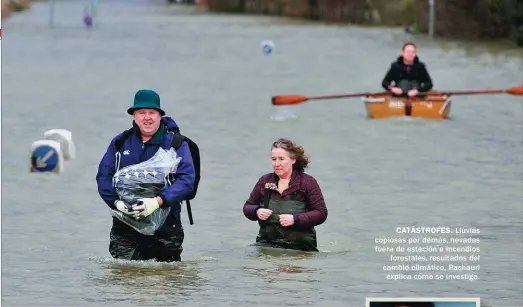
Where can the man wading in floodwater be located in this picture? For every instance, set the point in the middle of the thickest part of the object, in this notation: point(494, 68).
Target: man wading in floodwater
point(150, 132)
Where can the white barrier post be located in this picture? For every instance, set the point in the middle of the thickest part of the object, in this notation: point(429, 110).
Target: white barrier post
point(65, 138)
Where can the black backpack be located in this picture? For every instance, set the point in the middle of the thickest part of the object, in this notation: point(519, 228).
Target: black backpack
point(177, 141)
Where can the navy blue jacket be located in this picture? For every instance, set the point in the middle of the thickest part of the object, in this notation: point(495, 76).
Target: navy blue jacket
point(415, 72)
point(139, 152)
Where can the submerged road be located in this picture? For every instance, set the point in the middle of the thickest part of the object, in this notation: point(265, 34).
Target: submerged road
point(376, 175)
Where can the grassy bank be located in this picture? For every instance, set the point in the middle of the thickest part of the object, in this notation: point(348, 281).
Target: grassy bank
point(13, 6)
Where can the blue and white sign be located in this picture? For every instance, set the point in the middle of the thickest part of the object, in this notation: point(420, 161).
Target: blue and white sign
point(48, 155)
point(267, 47)
point(44, 158)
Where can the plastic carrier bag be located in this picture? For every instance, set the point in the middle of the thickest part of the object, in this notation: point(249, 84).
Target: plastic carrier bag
point(146, 180)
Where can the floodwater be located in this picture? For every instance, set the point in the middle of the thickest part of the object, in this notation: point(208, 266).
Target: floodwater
point(214, 80)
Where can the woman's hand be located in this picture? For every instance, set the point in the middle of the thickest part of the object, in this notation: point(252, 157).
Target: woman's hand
point(263, 214)
point(286, 220)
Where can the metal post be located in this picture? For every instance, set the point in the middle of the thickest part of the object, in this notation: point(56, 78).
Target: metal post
point(93, 10)
point(432, 18)
point(51, 13)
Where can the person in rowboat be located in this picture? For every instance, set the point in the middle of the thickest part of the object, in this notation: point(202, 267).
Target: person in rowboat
point(407, 76)
point(150, 132)
point(287, 203)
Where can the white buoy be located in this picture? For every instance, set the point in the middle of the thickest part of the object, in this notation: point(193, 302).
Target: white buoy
point(46, 156)
point(65, 138)
point(267, 47)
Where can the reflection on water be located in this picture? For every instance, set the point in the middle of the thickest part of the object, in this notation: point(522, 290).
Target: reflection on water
point(284, 272)
point(280, 268)
point(292, 269)
point(283, 113)
point(276, 264)
point(274, 252)
point(147, 278)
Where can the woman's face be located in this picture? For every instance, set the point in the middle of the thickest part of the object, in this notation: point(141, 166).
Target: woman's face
point(282, 162)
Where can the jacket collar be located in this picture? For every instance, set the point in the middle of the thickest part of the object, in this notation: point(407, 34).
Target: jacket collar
point(294, 183)
point(415, 61)
point(157, 138)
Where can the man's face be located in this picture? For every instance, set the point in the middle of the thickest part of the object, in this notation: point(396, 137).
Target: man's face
point(409, 53)
point(148, 120)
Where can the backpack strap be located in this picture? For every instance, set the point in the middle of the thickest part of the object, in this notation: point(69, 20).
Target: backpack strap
point(176, 143)
point(121, 140)
point(177, 139)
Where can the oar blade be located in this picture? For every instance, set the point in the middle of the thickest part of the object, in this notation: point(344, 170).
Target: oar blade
point(288, 100)
point(517, 90)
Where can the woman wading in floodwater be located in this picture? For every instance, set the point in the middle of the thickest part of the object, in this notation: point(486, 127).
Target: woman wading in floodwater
point(287, 203)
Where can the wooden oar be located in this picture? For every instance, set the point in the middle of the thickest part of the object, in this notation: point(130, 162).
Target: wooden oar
point(297, 99)
point(516, 90)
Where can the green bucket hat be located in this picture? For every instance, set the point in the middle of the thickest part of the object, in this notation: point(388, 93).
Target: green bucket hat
point(146, 99)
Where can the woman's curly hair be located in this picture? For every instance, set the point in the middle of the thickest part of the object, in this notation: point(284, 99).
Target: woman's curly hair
point(295, 151)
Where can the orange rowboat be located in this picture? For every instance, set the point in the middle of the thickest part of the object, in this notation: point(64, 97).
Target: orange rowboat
point(430, 107)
